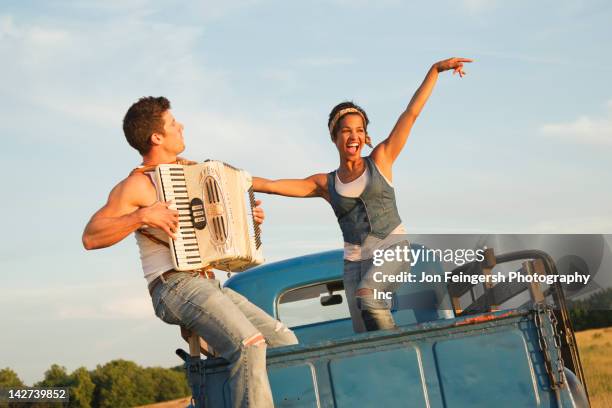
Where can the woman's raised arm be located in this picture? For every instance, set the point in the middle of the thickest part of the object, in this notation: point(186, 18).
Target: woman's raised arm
point(386, 152)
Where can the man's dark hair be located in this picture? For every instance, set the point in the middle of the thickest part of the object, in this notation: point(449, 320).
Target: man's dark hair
point(142, 120)
point(338, 108)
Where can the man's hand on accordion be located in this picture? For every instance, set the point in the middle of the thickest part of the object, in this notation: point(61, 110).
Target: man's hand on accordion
point(258, 212)
point(160, 215)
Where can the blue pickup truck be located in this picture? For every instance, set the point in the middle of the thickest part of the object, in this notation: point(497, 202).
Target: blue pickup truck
point(464, 346)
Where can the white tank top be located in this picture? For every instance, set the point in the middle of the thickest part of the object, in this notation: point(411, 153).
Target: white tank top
point(353, 188)
point(356, 252)
point(154, 257)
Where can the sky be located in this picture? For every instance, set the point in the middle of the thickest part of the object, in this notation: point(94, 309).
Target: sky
point(522, 144)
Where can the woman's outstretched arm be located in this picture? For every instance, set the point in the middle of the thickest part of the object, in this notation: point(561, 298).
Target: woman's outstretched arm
point(386, 152)
point(313, 186)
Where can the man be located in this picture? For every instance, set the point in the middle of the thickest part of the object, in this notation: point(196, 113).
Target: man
point(234, 327)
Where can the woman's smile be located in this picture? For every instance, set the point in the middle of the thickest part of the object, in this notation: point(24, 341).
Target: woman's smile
point(352, 147)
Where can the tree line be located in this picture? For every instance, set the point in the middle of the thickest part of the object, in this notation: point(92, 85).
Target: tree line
point(118, 383)
point(593, 312)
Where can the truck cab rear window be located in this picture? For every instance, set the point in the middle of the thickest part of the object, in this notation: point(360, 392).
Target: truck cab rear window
point(317, 303)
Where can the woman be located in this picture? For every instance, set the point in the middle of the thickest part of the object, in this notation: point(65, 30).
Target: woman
point(362, 197)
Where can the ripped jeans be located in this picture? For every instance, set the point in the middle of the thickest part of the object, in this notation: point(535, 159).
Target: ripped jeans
point(367, 312)
point(231, 324)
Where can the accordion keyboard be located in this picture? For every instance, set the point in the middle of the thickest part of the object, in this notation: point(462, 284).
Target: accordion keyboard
point(174, 187)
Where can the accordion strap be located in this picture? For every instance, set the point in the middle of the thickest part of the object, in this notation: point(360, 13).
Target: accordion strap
point(146, 169)
point(153, 238)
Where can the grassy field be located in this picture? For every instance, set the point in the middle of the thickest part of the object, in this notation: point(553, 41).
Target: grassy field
point(596, 356)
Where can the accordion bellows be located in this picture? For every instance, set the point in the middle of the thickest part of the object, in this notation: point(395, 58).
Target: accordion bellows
point(216, 226)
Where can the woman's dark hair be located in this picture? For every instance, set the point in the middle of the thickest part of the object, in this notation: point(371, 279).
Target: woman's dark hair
point(338, 108)
point(142, 120)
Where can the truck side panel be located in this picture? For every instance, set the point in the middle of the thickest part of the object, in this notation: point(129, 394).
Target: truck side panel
point(473, 371)
point(440, 365)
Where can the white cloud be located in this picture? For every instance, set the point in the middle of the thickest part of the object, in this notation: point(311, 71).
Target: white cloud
point(93, 72)
point(584, 129)
point(30, 34)
point(90, 71)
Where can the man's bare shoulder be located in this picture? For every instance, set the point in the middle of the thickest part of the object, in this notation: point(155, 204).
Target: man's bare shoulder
point(136, 189)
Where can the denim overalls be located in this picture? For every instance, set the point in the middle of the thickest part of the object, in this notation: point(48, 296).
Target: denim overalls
point(373, 213)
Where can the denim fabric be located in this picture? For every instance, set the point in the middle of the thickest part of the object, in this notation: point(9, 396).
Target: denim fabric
point(374, 212)
point(360, 275)
point(225, 319)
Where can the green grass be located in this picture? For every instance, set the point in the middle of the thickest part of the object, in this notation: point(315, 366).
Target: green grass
point(596, 355)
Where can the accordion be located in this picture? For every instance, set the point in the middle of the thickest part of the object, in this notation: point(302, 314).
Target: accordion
point(216, 226)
